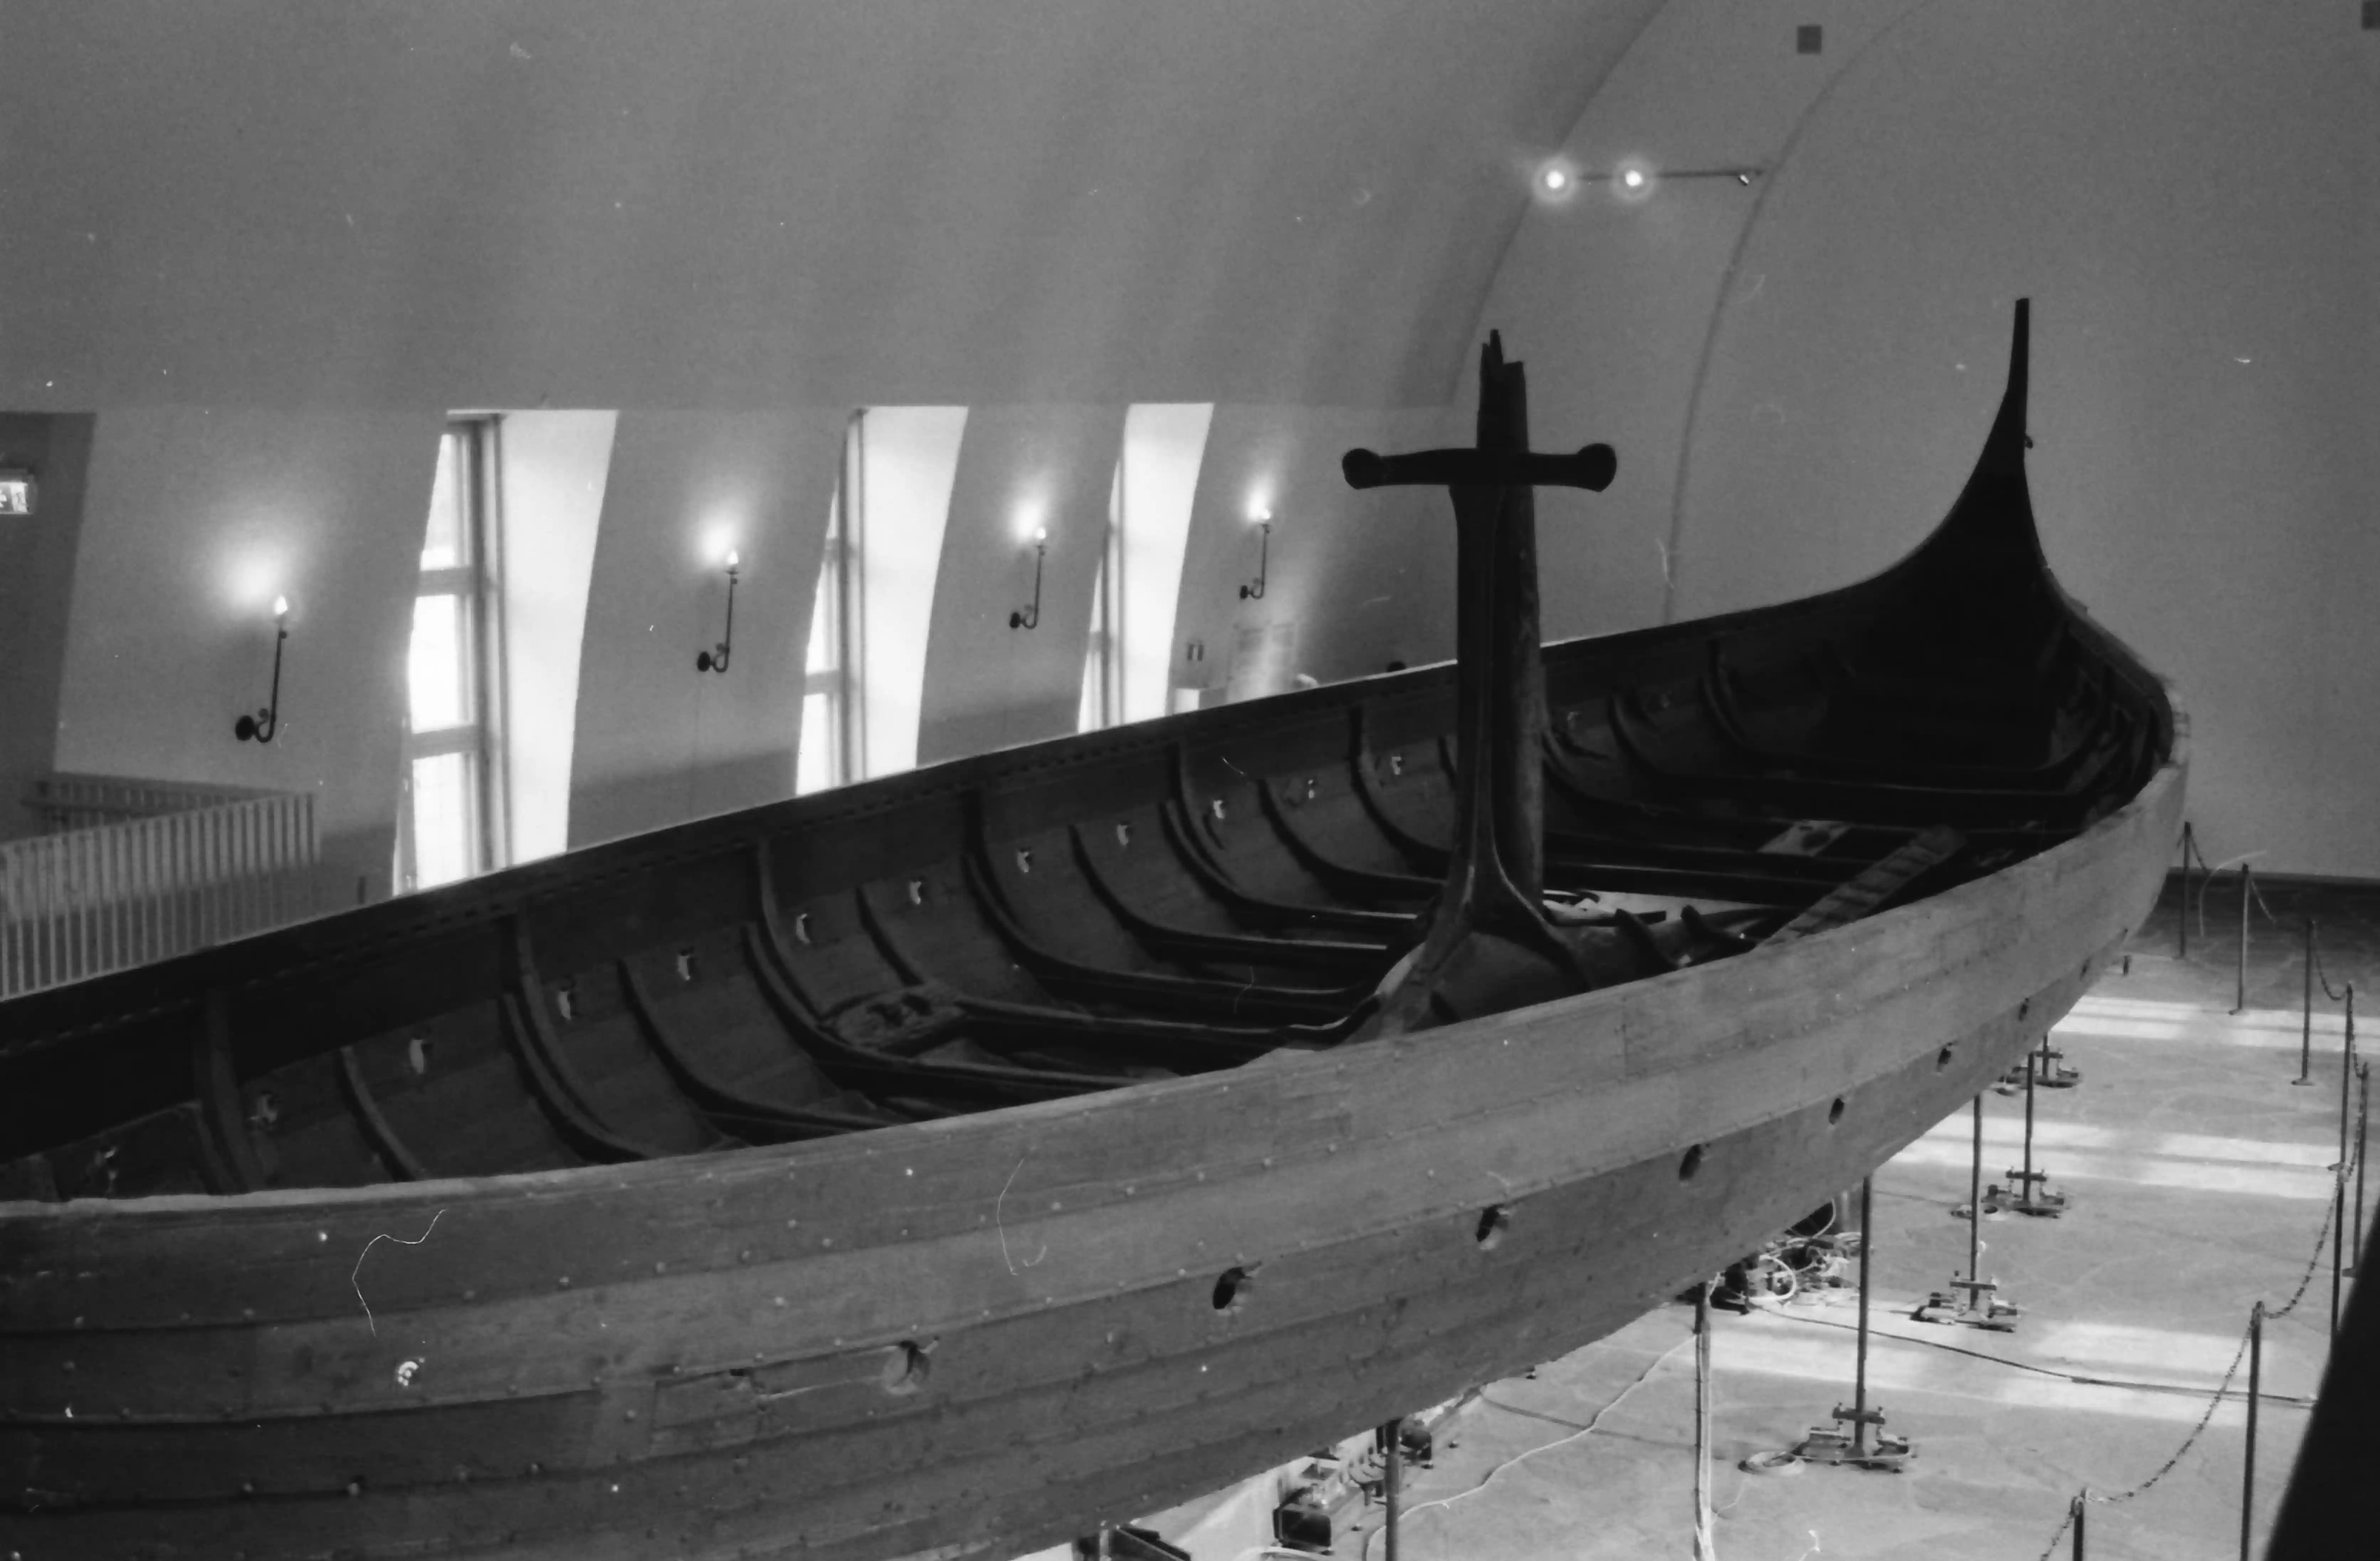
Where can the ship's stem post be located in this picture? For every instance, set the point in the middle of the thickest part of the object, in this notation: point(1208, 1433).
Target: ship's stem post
point(2256, 1388)
point(2082, 1508)
point(1859, 1372)
point(1389, 1480)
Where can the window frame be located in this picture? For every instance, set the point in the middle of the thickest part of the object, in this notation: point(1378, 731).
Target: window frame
point(840, 561)
point(476, 583)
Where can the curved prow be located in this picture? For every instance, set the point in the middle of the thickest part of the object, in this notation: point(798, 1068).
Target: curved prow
point(2004, 447)
point(1981, 583)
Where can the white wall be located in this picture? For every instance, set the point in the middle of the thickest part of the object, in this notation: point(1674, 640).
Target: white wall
point(747, 203)
point(1358, 579)
point(551, 467)
point(194, 518)
point(2179, 188)
point(658, 741)
point(988, 686)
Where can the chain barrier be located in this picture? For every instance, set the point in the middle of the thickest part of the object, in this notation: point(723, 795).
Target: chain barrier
point(2189, 848)
point(2327, 990)
point(2321, 1244)
point(2222, 1390)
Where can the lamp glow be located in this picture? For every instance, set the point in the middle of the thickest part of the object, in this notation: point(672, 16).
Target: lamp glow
point(1634, 179)
point(280, 607)
point(1040, 535)
point(1556, 180)
point(733, 560)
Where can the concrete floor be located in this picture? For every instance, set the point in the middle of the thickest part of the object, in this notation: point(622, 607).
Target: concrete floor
point(2199, 1183)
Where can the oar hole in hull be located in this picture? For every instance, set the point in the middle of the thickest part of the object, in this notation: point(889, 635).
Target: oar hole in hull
point(1691, 1163)
point(1835, 1112)
point(1494, 1220)
point(1942, 1060)
point(906, 1369)
point(1232, 1290)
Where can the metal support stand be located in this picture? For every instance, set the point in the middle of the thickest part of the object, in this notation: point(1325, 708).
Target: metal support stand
point(1393, 1434)
point(2033, 1195)
point(2255, 1386)
point(2054, 1073)
point(1825, 1444)
point(1980, 1307)
point(1702, 1420)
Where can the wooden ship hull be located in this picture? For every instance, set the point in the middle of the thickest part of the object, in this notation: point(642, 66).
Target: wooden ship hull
point(950, 1164)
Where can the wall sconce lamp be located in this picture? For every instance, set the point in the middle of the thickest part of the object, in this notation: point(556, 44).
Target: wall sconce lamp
point(1255, 589)
point(260, 727)
point(715, 658)
point(1030, 618)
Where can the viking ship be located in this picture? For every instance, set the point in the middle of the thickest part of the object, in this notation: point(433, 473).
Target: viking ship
point(950, 1164)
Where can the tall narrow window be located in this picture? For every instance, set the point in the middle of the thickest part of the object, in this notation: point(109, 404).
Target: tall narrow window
point(450, 812)
point(1129, 657)
point(1103, 653)
point(831, 708)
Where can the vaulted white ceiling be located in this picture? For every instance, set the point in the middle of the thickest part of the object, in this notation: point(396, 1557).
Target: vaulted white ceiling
point(619, 204)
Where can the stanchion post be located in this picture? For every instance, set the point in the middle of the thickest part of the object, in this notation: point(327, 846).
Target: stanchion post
point(2255, 1388)
point(2345, 1077)
point(2181, 948)
point(2337, 1242)
point(2082, 1510)
point(2305, 1034)
point(2240, 1004)
point(2362, 1140)
point(1394, 1432)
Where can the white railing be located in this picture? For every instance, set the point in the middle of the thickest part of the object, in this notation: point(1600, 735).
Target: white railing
point(143, 870)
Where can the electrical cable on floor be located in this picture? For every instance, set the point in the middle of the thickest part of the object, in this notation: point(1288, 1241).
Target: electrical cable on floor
point(2124, 1383)
point(2313, 1264)
point(1364, 1552)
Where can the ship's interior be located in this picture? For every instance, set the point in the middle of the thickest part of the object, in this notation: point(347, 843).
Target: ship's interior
point(441, 446)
